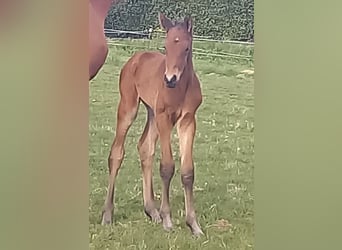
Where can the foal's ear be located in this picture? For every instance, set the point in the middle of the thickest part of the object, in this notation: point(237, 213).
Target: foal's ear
point(188, 23)
point(164, 22)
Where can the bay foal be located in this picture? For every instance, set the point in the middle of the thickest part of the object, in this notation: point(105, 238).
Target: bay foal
point(98, 48)
point(170, 90)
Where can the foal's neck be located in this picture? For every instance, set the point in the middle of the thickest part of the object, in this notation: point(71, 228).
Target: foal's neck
point(190, 62)
point(189, 69)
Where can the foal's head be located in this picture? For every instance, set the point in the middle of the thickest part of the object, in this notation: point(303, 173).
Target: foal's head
point(178, 47)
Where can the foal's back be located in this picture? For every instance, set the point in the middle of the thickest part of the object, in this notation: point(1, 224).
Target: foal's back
point(143, 72)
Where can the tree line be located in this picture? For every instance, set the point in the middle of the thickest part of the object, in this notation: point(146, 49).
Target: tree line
point(220, 19)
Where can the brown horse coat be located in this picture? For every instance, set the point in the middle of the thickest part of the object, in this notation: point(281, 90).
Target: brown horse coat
point(170, 90)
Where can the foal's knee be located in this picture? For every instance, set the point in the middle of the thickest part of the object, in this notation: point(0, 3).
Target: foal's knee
point(167, 171)
point(187, 178)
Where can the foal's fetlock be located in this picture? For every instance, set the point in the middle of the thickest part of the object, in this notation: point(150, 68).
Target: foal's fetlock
point(106, 217)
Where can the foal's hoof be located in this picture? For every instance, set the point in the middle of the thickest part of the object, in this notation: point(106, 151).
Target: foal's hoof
point(167, 228)
point(106, 218)
point(195, 229)
point(197, 233)
point(154, 216)
point(167, 224)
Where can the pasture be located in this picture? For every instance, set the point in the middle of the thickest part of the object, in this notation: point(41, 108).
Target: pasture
point(223, 155)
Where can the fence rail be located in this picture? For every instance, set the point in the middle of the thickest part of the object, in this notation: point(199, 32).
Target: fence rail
point(161, 35)
point(203, 46)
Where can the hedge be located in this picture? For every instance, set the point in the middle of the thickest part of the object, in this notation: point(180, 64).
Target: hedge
point(220, 19)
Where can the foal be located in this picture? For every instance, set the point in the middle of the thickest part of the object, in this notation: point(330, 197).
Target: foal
point(170, 90)
point(98, 48)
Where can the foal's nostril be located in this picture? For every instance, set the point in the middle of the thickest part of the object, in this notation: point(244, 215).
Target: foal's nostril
point(171, 83)
point(168, 80)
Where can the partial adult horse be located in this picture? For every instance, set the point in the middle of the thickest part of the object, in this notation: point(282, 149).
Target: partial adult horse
point(170, 90)
point(98, 48)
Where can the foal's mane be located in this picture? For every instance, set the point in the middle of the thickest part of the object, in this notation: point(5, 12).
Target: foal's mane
point(181, 23)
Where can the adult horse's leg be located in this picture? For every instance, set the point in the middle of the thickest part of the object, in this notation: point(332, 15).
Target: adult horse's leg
point(186, 132)
point(167, 167)
point(127, 112)
point(146, 149)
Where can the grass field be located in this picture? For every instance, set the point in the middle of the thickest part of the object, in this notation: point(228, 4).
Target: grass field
point(224, 162)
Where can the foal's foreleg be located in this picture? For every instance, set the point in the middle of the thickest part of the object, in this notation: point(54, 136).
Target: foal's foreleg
point(167, 168)
point(186, 132)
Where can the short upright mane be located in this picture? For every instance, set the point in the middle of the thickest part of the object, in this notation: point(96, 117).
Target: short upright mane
point(180, 25)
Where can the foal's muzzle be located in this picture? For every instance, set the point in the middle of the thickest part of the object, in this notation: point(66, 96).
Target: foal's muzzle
point(170, 82)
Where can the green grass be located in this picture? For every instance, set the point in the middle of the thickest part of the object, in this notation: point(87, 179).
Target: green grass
point(224, 162)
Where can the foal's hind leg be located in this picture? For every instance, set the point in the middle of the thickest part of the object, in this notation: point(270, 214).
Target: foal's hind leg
point(127, 112)
point(186, 132)
point(146, 149)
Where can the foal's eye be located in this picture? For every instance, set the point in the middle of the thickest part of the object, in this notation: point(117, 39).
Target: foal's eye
point(187, 49)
